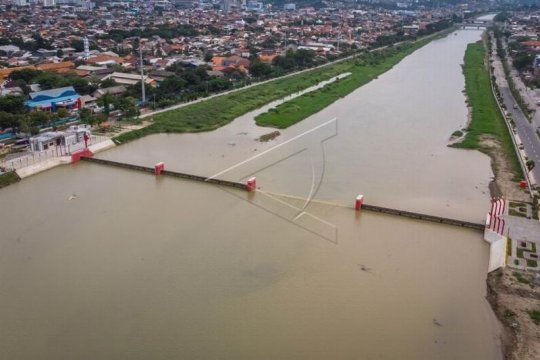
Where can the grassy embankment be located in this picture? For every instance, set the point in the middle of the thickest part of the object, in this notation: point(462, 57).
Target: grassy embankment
point(364, 69)
point(216, 112)
point(213, 113)
point(8, 178)
point(486, 116)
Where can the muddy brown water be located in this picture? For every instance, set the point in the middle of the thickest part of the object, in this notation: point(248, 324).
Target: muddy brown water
point(134, 267)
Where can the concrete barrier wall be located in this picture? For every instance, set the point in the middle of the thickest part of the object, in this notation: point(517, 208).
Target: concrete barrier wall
point(425, 217)
point(151, 170)
point(497, 249)
point(42, 166)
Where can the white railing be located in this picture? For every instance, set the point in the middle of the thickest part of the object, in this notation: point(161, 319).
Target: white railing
point(35, 157)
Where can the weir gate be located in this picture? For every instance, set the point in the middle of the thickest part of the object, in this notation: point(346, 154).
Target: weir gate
point(250, 185)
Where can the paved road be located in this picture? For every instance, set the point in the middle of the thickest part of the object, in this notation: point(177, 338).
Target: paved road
point(527, 94)
point(525, 130)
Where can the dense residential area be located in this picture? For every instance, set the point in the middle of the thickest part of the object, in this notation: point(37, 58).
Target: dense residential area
point(80, 60)
point(522, 29)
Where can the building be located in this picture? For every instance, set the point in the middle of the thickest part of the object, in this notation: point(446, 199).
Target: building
point(52, 100)
point(49, 3)
point(113, 90)
point(129, 79)
point(56, 67)
point(64, 140)
point(290, 7)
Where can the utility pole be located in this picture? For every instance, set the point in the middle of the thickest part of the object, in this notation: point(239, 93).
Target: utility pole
point(142, 73)
point(338, 39)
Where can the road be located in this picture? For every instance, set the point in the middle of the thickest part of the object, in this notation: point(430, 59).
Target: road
point(525, 130)
point(527, 94)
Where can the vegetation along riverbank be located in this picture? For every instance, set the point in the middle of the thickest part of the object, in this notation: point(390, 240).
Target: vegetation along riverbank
point(218, 111)
point(487, 130)
point(8, 178)
point(363, 69)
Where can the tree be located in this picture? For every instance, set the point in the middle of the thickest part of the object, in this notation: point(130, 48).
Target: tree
point(208, 56)
point(108, 83)
point(99, 118)
point(260, 69)
point(219, 84)
point(171, 85)
point(530, 164)
point(107, 101)
point(13, 104)
point(8, 120)
point(27, 75)
point(27, 126)
point(62, 113)
point(78, 45)
point(40, 118)
point(128, 107)
point(523, 61)
point(85, 115)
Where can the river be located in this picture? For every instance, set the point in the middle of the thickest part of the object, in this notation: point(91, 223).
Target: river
point(134, 267)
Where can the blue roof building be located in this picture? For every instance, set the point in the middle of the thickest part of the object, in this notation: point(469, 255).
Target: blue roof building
point(51, 100)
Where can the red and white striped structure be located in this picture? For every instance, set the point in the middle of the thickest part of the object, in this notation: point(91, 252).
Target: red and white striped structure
point(494, 221)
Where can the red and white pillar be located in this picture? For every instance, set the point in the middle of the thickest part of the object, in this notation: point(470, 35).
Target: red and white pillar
point(159, 167)
point(252, 184)
point(359, 202)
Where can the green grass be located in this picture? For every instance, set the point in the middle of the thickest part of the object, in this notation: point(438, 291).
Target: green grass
point(486, 116)
point(532, 263)
point(514, 212)
point(522, 279)
point(535, 316)
point(363, 70)
point(218, 111)
point(8, 178)
point(508, 247)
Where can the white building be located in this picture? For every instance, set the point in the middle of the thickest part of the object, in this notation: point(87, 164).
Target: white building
point(49, 3)
point(64, 140)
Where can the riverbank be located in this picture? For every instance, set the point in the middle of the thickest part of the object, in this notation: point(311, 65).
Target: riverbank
point(365, 68)
point(212, 113)
point(487, 131)
point(515, 298)
point(8, 178)
point(513, 295)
